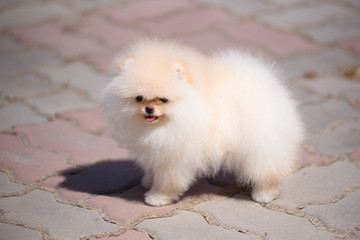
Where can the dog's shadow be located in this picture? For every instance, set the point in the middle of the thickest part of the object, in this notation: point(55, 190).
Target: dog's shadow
point(116, 178)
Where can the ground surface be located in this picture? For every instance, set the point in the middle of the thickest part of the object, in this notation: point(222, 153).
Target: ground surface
point(62, 176)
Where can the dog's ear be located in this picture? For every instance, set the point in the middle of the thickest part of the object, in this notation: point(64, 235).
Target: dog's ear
point(182, 72)
point(123, 64)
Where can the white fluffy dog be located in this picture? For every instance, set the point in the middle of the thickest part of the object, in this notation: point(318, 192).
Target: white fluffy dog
point(188, 115)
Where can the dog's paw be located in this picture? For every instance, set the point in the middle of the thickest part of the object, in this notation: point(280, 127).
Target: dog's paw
point(157, 200)
point(265, 196)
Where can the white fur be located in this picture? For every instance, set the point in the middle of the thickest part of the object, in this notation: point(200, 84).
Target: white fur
point(227, 111)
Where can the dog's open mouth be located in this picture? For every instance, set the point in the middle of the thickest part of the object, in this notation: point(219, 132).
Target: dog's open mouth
point(151, 118)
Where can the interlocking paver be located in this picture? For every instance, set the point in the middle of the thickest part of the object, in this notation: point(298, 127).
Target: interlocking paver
point(189, 225)
point(16, 114)
point(318, 184)
point(33, 13)
point(346, 135)
point(130, 235)
point(60, 101)
point(40, 209)
point(335, 31)
point(63, 136)
point(315, 15)
point(24, 86)
point(28, 163)
point(7, 186)
point(143, 9)
point(342, 215)
point(353, 44)
point(355, 155)
point(317, 62)
point(7, 44)
point(9, 231)
point(79, 76)
point(241, 212)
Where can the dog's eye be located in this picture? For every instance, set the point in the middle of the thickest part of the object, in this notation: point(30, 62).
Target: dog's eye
point(164, 100)
point(139, 98)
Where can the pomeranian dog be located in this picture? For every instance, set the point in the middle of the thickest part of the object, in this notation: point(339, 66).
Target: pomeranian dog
point(187, 115)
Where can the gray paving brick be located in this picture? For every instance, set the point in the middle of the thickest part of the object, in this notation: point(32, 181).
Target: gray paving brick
point(318, 62)
point(305, 95)
point(7, 44)
point(23, 86)
point(17, 114)
point(32, 13)
point(334, 31)
point(293, 2)
point(7, 186)
point(318, 117)
point(315, 14)
point(244, 213)
point(333, 86)
point(78, 75)
point(344, 138)
point(342, 215)
point(314, 184)
point(60, 102)
point(188, 225)
point(352, 3)
point(241, 7)
point(8, 231)
point(40, 209)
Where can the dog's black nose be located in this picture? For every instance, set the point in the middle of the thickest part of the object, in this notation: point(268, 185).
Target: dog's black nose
point(149, 110)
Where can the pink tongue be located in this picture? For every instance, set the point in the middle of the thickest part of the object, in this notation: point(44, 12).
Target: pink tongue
point(150, 118)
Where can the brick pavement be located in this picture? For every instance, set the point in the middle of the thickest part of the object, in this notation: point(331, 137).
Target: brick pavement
point(62, 176)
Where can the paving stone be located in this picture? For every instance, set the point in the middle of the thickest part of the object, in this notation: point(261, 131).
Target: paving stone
point(280, 43)
point(315, 14)
point(334, 31)
point(89, 119)
point(307, 158)
point(243, 213)
point(92, 4)
point(112, 35)
point(18, 62)
point(53, 35)
point(333, 86)
point(129, 235)
point(7, 44)
point(144, 9)
point(352, 44)
point(32, 13)
point(287, 3)
point(101, 61)
point(342, 215)
point(28, 163)
point(187, 22)
point(242, 7)
point(314, 184)
point(23, 86)
point(130, 205)
point(7, 186)
point(16, 114)
point(355, 155)
point(83, 147)
point(353, 3)
point(317, 62)
point(61, 101)
point(188, 225)
point(78, 75)
point(317, 117)
point(305, 95)
point(9, 231)
point(40, 209)
point(344, 138)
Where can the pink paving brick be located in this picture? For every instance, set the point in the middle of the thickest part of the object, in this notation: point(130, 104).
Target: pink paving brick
point(307, 158)
point(145, 9)
point(61, 135)
point(187, 21)
point(280, 43)
point(91, 120)
point(355, 155)
point(353, 44)
point(129, 235)
point(28, 163)
point(102, 61)
point(130, 205)
point(53, 35)
point(114, 36)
